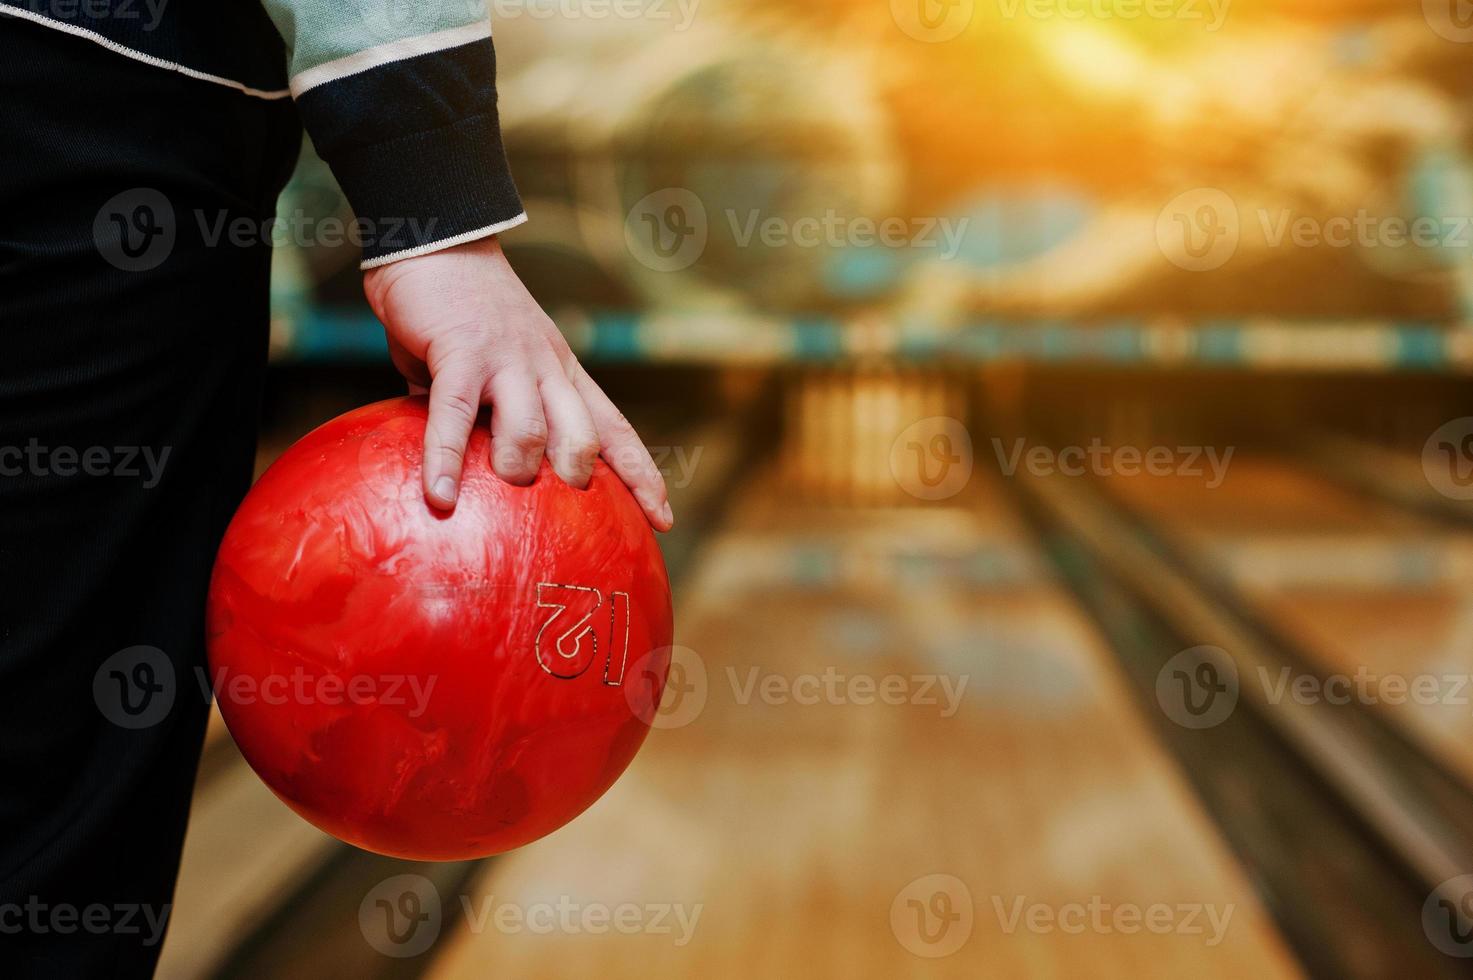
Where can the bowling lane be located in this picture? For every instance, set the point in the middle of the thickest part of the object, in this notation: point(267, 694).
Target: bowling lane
point(1381, 599)
point(1400, 477)
point(244, 852)
point(893, 747)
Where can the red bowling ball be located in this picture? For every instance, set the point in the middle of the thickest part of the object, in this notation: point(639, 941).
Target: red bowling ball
point(434, 685)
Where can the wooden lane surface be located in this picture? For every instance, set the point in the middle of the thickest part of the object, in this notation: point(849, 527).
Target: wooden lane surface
point(243, 855)
point(1376, 596)
point(796, 828)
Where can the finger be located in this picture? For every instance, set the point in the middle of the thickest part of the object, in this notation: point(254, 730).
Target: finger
point(625, 452)
point(455, 398)
point(518, 428)
point(572, 439)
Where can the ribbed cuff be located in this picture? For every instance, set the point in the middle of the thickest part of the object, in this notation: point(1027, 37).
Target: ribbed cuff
point(428, 187)
point(416, 146)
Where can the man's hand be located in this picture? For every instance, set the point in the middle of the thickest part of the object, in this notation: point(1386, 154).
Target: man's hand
point(462, 326)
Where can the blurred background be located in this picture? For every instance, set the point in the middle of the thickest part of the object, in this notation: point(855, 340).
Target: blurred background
point(1065, 409)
